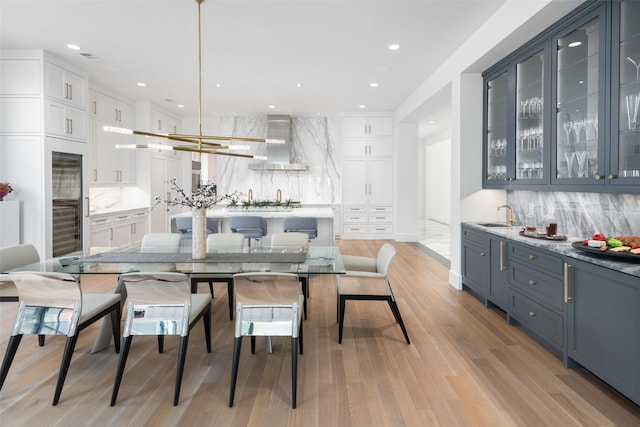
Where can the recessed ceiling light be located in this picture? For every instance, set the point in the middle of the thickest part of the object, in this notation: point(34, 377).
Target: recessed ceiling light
point(73, 46)
point(581, 82)
point(299, 85)
point(272, 106)
point(180, 106)
point(217, 84)
point(141, 84)
point(373, 84)
point(432, 122)
point(575, 44)
point(394, 46)
point(363, 106)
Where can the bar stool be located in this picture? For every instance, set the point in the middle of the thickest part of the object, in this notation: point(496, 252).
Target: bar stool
point(301, 224)
point(252, 227)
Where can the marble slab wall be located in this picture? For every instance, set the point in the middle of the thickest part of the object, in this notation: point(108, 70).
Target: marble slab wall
point(581, 214)
point(314, 141)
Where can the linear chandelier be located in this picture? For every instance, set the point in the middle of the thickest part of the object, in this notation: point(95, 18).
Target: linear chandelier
point(194, 143)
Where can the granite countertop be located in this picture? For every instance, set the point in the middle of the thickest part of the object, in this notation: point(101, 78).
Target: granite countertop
point(563, 248)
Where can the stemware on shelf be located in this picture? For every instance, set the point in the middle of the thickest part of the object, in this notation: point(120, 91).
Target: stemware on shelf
point(581, 156)
point(570, 158)
point(637, 65)
point(567, 128)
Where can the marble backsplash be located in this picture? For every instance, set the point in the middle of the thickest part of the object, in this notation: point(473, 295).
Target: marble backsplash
point(315, 142)
point(581, 214)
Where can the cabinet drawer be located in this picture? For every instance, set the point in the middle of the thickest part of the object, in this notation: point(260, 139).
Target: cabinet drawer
point(354, 209)
point(537, 284)
point(354, 229)
point(380, 228)
point(538, 319)
point(472, 235)
point(541, 260)
point(355, 218)
point(380, 218)
point(380, 209)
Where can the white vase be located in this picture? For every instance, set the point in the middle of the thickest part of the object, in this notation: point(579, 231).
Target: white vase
point(199, 234)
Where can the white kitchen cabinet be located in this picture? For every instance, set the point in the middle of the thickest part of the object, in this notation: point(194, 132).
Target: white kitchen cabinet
point(118, 229)
point(138, 227)
point(66, 86)
point(114, 110)
point(163, 169)
point(374, 126)
point(111, 165)
point(367, 177)
point(163, 122)
point(65, 121)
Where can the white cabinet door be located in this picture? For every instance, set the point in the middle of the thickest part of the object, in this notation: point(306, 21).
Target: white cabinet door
point(380, 126)
point(106, 108)
point(353, 127)
point(380, 181)
point(355, 147)
point(380, 147)
point(355, 181)
point(63, 120)
point(104, 144)
point(138, 228)
point(65, 86)
point(162, 169)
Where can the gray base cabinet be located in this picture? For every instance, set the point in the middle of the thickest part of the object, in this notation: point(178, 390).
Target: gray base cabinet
point(499, 273)
point(603, 334)
point(475, 262)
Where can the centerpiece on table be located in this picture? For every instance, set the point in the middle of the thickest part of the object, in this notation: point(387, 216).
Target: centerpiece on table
point(199, 201)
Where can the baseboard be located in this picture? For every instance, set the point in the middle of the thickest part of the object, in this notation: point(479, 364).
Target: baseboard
point(455, 280)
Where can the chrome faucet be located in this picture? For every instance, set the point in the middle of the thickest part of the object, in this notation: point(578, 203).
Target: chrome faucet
point(250, 195)
point(279, 195)
point(510, 219)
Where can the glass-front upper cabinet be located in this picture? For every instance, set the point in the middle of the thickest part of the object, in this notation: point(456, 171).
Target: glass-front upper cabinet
point(625, 156)
point(496, 94)
point(578, 153)
point(530, 118)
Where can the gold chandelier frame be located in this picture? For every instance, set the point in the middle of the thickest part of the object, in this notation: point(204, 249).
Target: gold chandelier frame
point(194, 143)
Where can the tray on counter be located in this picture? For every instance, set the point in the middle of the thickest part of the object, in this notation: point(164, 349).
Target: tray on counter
point(621, 256)
point(543, 236)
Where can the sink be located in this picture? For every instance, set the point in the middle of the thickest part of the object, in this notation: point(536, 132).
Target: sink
point(492, 224)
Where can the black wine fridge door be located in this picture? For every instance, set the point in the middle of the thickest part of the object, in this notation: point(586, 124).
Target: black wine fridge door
point(67, 203)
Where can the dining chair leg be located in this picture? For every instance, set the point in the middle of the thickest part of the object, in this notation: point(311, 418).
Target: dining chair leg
point(294, 371)
point(230, 296)
point(160, 343)
point(122, 361)
point(396, 314)
point(182, 357)
point(115, 326)
point(237, 345)
point(341, 309)
point(41, 340)
point(253, 345)
point(69, 346)
point(300, 337)
point(305, 293)
point(12, 347)
point(211, 288)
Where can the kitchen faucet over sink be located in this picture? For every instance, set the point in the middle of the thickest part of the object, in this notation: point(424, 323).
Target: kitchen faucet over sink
point(510, 219)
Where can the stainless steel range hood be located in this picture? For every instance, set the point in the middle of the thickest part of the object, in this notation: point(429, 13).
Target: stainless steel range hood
point(278, 155)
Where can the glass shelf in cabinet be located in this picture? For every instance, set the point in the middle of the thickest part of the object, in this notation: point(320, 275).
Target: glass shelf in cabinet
point(567, 67)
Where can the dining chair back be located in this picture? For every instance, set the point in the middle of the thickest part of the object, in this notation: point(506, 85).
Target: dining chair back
point(267, 304)
point(13, 257)
point(53, 304)
point(308, 225)
point(161, 304)
point(160, 242)
point(369, 285)
point(294, 240)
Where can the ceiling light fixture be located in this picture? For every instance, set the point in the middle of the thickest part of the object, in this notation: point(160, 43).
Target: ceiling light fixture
point(394, 46)
point(141, 84)
point(194, 143)
point(574, 44)
point(73, 46)
point(373, 84)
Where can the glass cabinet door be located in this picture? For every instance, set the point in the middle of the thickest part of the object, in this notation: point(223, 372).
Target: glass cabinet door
point(529, 123)
point(497, 91)
point(578, 153)
point(626, 156)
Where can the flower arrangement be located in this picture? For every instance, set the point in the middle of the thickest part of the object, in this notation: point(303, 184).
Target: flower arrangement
point(5, 188)
point(202, 197)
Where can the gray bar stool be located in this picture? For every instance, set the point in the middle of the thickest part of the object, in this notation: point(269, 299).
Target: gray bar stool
point(301, 224)
point(252, 227)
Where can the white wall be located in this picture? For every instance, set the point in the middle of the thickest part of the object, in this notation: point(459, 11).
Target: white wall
point(437, 180)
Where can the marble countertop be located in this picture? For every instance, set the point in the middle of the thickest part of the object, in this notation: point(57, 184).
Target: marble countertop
point(563, 248)
point(102, 213)
point(223, 213)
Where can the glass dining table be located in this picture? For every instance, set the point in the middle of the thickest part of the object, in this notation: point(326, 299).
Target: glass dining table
point(308, 261)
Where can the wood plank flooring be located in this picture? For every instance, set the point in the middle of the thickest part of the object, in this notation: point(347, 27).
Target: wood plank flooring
point(465, 367)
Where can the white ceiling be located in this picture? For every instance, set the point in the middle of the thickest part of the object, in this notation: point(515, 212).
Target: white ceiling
point(258, 51)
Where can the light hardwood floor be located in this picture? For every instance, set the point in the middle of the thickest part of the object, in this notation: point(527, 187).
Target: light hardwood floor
point(464, 367)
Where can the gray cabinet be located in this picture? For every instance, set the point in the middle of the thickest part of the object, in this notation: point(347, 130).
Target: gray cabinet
point(499, 272)
point(475, 262)
point(536, 294)
point(603, 334)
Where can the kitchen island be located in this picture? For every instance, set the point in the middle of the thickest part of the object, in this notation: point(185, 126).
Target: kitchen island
point(324, 217)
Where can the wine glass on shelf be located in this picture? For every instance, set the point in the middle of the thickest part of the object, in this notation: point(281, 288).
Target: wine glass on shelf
point(524, 106)
point(567, 128)
point(503, 147)
point(577, 127)
point(581, 156)
point(570, 157)
point(494, 147)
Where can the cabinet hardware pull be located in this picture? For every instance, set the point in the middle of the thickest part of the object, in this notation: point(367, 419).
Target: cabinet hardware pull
point(598, 177)
point(482, 254)
point(532, 314)
point(86, 206)
point(70, 91)
point(70, 126)
point(612, 176)
point(111, 234)
point(379, 217)
point(502, 267)
point(532, 282)
point(95, 108)
point(66, 90)
point(531, 256)
point(567, 298)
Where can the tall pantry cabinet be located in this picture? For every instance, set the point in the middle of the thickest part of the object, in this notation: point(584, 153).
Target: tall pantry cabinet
point(367, 196)
point(43, 109)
